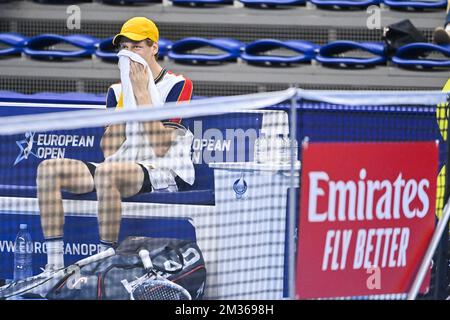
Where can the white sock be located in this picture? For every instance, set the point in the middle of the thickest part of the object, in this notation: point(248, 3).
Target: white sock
point(55, 253)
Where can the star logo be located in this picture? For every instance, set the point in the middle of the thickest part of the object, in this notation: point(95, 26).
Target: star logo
point(25, 146)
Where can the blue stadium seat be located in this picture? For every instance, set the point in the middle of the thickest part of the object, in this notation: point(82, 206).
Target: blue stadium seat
point(11, 95)
point(414, 55)
point(272, 3)
point(14, 44)
point(106, 50)
point(164, 47)
point(334, 54)
point(345, 3)
point(416, 4)
point(37, 47)
point(201, 2)
point(61, 1)
point(182, 50)
point(127, 2)
point(302, 51)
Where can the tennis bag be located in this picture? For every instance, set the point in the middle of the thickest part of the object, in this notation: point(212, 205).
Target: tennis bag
point(180, 261)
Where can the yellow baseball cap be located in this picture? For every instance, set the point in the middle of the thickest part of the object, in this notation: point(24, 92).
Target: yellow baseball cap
point(138, 29)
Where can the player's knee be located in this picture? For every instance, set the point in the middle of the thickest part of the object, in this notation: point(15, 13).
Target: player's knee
point(47, 170)
point(104, 175)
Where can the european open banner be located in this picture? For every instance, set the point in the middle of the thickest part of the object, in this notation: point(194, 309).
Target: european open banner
point(367, 214)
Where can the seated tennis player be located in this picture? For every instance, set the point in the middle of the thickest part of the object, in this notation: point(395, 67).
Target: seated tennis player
point(161, 163)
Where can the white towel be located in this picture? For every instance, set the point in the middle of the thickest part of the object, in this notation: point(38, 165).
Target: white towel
point(130, 148)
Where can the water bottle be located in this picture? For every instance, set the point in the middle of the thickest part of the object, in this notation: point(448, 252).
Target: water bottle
point(260, 150)
point(23, 252)
point(283, 148)
point(277, 149)
point(256, 150)
point(291, 147)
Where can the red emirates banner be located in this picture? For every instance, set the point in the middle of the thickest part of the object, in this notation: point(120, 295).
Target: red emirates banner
point(367, 214)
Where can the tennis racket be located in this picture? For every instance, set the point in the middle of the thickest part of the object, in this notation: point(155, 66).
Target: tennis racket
point(152, 286)
point(45, 280)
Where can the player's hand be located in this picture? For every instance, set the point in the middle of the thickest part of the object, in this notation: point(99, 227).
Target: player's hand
point(139, 80)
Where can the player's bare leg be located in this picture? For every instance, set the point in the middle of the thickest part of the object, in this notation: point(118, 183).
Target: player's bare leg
point(53, 175)
point(114, 181)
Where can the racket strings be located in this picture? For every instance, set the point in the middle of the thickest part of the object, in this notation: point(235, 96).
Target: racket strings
point(158, 290)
